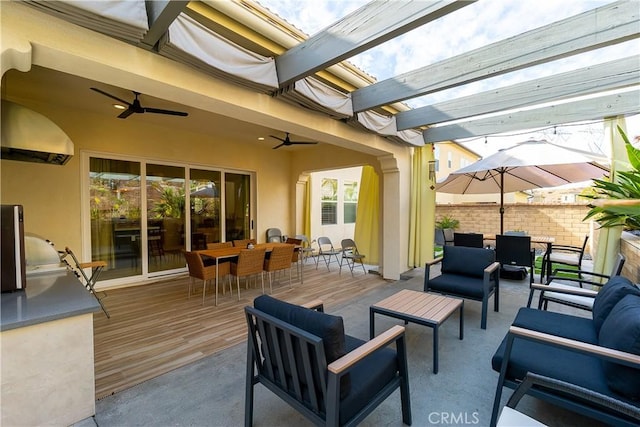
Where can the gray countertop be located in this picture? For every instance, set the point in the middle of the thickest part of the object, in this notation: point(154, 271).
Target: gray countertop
point(47, 297)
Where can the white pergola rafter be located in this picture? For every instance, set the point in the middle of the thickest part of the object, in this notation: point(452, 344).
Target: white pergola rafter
point(369, 26)
point(598, 78)
point(574, 111)
point(607, 25)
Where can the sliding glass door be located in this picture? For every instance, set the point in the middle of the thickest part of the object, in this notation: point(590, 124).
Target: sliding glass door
point(114, 203)
point(166, 214)
point(143, 215)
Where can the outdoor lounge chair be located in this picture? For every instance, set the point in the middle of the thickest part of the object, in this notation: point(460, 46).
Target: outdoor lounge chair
point(468, 273)
point(303, 356)
point(600, 355)
point(563, 255)
point(578, 291)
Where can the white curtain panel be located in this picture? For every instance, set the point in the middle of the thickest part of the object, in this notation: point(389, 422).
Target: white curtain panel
point(124, 19)
point(190, 42)
point(386, 126)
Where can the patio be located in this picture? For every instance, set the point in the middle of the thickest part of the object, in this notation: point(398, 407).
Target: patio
point(210, 391)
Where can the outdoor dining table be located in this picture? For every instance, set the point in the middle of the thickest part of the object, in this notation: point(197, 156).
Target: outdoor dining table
point(227, 254)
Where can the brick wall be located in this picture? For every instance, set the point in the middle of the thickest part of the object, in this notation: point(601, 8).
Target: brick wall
point(630, 248)
point(564, 222)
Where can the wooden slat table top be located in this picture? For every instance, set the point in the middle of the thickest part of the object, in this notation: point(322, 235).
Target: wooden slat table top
point(534, 239)
point(422, 305)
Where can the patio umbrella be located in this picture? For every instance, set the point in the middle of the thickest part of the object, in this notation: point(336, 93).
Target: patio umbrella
point(528, 165)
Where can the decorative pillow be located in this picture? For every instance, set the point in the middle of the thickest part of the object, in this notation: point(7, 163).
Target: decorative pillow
point(326, 326)
point(613, 291)
point(621, 331)
point(467, 261)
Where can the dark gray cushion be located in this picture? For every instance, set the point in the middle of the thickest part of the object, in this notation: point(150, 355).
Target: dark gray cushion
point(621, 331)
point(456, 284)
point(326, 326)
point(467, 261)
point(613, 291)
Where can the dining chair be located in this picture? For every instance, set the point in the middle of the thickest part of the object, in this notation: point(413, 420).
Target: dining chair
point(219, 245)
point(563, 255)
point(197, 270)
point(326, 251)
point(297, 257)
point(279, 259)
point(274, 235)
point(351, 255)
point(307, 250)
point(471, 240)
point(243, 243)
point(250, 262)
point(513, 251)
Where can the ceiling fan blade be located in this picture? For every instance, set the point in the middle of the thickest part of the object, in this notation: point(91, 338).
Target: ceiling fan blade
point(160, 111)
point(110, 96)
point(303, 142)
point(275, 137)
point(278, 146)
point(126, 113)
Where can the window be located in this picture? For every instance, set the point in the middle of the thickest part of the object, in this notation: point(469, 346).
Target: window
point(436, 155)
point(350, 199)
point(329, 190)
point(449, 159)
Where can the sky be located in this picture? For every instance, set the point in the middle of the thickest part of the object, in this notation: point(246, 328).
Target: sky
point(483, 22)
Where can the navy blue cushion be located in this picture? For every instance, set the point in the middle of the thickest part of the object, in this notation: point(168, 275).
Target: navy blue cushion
point(621, 331)
point(613, 291)
point(367, 378)
point(466, 261)
point(325, 326)
point(455, 284)
point(562, 325)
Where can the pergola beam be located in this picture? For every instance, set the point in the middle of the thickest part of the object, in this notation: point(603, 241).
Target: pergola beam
point(598, 78)
point(573, 111)
point(607, 25)
point(161, 13)
point(369, 26)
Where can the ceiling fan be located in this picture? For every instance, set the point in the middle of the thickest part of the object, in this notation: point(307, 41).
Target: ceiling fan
point(135, 107)
point(287, 142)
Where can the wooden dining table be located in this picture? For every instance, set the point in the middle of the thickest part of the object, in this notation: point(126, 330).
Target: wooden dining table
point(230, 253)
point(546, 240)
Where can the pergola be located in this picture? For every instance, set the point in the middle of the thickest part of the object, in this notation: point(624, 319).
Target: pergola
point(245, 42)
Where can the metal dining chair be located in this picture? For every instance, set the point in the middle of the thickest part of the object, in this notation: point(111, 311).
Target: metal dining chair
point(351, 255)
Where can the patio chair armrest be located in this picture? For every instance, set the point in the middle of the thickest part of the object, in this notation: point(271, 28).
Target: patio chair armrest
point(576, 291)
point(315, 304)
point(434, 261)
point(384, 339)
point(492, 267)
point(532, 380)
point(574, 280)
point(621, 357)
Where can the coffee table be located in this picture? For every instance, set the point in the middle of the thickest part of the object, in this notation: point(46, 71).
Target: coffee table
point(422, 308)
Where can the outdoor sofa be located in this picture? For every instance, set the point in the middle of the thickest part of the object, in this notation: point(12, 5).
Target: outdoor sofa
point(600, 356)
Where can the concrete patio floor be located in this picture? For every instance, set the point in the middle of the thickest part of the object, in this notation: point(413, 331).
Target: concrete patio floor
point(210, 392)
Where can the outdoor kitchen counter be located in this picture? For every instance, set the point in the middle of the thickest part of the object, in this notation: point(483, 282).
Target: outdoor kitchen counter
point(48, 296)
point(47, 353)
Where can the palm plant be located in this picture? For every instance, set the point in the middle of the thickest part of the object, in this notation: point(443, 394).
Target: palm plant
point(618, 203)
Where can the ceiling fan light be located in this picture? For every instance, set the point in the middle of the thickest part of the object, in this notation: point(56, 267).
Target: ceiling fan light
point(119, 107)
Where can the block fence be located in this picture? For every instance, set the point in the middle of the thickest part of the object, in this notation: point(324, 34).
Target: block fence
point(562, 221)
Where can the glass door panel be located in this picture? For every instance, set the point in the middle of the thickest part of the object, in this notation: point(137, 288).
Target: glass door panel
point(115, 216)
point(165, 217)
point(237, 207)
point(205, 208)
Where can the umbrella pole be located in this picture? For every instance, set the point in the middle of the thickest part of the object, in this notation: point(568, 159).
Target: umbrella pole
point(502, 202)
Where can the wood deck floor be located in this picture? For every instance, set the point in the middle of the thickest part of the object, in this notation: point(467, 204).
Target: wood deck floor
point(155, 328)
